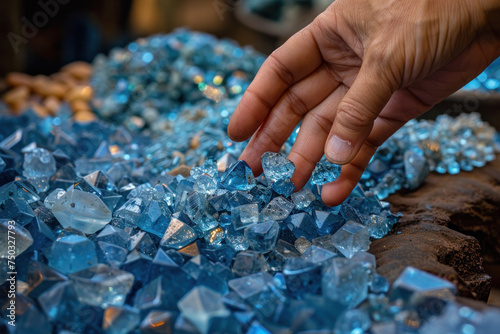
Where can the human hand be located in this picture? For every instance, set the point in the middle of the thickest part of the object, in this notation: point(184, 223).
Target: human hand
point(356, 74)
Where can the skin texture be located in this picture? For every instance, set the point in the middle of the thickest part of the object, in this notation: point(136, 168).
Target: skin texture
point(359, 72)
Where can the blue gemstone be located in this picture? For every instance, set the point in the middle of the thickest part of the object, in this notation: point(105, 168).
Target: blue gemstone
point(325, 172)
point(277, 167)
point(238, 177)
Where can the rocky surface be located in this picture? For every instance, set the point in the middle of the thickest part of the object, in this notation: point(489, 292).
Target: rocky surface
point(450, 224)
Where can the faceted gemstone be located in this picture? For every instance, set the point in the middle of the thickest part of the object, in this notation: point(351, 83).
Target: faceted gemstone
point(153, 220)
point(13, 239)
point(72, 253)
point(277, 167)
point(17, 210)
point(248, 263)
point(81, 210)
point(100, 180)
point(262, 237)
point(208, 167)
point(205, 184)
point(111, 254)
point(195, 206)
point(113, 235)
point(303, 198)
point(120, 319)
point(302, 277)
point(302, 244)
point(318, 255)
point(20, 190)
point(238, 177)
point(157, 322)
point(278, 209)
point(283, 187)
point(351, 214)
point(327, 222)
point(351, 238)
point(178, 235)
point(38, 166)
point(245, 215)
point(200, 305)
point(414, 284)
point(416, 168)
point(28, 318)
point(225, 161)
point(131, 210)
point(102, 285)
point(325, 172)
point(379, 284)
point(142, 242)
point(138, 265)
point(53, 197)
point(302, 225)
point(377, 226)
point(252, 285)
point(346, 282)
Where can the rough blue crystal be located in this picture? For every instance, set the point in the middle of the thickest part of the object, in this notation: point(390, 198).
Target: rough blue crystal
point(353, 321)
point(205, 184)
point(302, 277)
point(72, 253)
point(238, 177)
point(283, 187)
point(13, 239)
point(245, 216)
point(249, 262)
point(326, 222)
point(102, 285)
point(325, 172)
point(302, 225)
point(277, 167)
point(278, 209)
point(200, 305)
point(81, 210)
point(303, 198)
point(262, 237)
point(351, 238)
point(120, 319)
point(38, 166)
point(156, 322)
point(416, 168)
point(178, 235)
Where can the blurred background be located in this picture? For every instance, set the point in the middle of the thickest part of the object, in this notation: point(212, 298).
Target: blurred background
point(40, 36)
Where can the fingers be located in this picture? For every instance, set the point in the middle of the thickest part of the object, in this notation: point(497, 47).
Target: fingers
point(308, 148)
point(287, 113)
point(356, 113)
point(293, 61)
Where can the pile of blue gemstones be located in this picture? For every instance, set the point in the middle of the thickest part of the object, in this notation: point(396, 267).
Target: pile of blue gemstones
point(112, 238)
point(488, 80)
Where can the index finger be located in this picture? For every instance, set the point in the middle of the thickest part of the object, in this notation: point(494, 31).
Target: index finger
point(291, 62)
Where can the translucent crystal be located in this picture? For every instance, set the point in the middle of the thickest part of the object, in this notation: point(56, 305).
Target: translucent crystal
point(351, 238)
point(245, 215)
point(346, 282)
point(248, 263)
point(317, 255)
point(2, 164)
point(53, 197)
point(81, 210)
point(13, 239)
point(157, 322)
point(205, 184)
point(200, 305)
point(283, 187)
point(302, 225)
point(153, 220)
point(353, 321)
point(325, 172)
point(277, 167)
point(262, 237)
point(178, 235)
point(416, 168)
point(278, 209)
point(111, 254)
point(41, 277)
point(72, 253)
point(238, 177)
point(38, 166)
point(302, 277)
point(303, 198)
point(208, 167)
point(326, 222)
point(102, 285)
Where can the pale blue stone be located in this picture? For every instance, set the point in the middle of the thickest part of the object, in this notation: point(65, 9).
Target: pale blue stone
point(178, 235)
point(318, 255)
point(277, 167)
point(351, 238)
point(53, 197)
point(353, 321)
point(153, 220)
point(238, 177)
point(278, 209)
point(72, 253)
point(416, 168)
point(157, 322)
point(249, 262)
point(81, 210)
point(283, 187)
point(102, 285)
point(205, 184)
point(325, 172)
point(38, 166)
point(111, 254)
point(245, 216)
point(120, 319)
point(303, 198)
point(200, 305)
point(262, 237)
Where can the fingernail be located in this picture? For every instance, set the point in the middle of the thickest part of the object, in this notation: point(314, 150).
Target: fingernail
point(339, 150)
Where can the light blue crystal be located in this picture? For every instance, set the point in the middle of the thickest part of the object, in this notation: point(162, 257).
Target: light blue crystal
point(262, 237)
point(111, 254)
point(205, 184)
point(245, 216)
point(113, 235)
point(208, 167)
point(283, 187)
point(302, 277)
point(102, 285)
point(153, 220)
point(2, 164)
point(278, 209)
point(200, 305)
point(351, 238)
point(81, 210)
point(346, 282)
point(353, 321)
point(157, 322)
point(327, 222)
point(178, 235)
point(318, 255)
point(277, 167)
point(238, 177)
point(302, 225)
point(249, 262)
point(72, 253)
point(53, 197)
point(38, 166)
point(416, 168)
point(303, 198)
point(325, 172)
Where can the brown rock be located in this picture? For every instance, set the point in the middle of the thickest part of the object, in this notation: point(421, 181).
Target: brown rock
point(79, 70)
point(181, 170)
point(448, 225)
point(16, 79)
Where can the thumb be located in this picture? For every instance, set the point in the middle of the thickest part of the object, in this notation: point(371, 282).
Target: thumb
point(356, 113)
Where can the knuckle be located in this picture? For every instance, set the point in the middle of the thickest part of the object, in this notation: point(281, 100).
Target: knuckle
point(353, 116)
point(283, 72)
point(295, 103)
point(322, 122)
